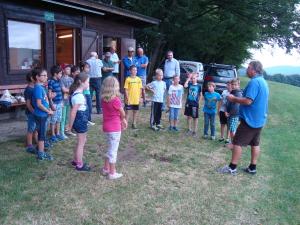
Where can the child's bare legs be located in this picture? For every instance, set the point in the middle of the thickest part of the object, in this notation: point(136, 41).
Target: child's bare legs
point(52, 126)
point(78, 152)
point(57, 129)
point(222, 130)
point(134, 116)
point(41, 145)
point(189, 123)
point(195, 125)
point(29, 137)
point(175, 123)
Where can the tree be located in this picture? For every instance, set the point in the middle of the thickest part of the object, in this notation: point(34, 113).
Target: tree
point(218, 31)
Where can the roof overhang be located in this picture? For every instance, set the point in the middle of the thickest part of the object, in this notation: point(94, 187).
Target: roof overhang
point(102, 9)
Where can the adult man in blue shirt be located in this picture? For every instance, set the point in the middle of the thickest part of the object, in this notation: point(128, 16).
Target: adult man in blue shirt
point(253, 115)
point(142, 64)
point(128, 61)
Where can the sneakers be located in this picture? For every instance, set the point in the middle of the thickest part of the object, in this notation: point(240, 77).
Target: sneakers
point(44, 156)
point(114, 176)
point(247, 170)
point(170, 128)
point(68, 132)
point(194, 134)
point(213, 138)
point(104, 172)
point(53, 139)
point(227, 141)
point(221, 139)
point(155, 128)
point(227, 169)
point(91, 123)
point(205, 136)
point(48, 144)
point(85, 168)
point(60, 137)
point(175, 129)
point(31, 150)
point(189, 132)
point(159, 126)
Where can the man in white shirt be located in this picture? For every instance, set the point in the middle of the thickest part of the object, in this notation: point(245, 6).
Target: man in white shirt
point(95, 78)
point(171, 69)
point(115, 59)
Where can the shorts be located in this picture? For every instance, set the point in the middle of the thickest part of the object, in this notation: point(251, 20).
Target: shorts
point(57, 114)
point(144, 80)
point(132, 107)
point(31, 125)
point(113, 140)
point(192, 111)
point(223, 118)
point(41, 127)
point(174, 113)
point(80, 124)
point(246, 135)
point(233, 123)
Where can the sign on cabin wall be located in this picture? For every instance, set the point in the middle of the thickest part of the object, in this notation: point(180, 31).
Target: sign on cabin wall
point(49, 16)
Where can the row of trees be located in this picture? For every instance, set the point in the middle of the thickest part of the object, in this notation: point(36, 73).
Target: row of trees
point(220, 31)
point(291, 79)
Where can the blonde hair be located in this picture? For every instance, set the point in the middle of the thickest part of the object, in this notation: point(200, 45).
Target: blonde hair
point(110, 89)
point(159, 71)
point(211, 84)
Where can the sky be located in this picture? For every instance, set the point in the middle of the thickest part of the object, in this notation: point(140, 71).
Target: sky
point(276, 56)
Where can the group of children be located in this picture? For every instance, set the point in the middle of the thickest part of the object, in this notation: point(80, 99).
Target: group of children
point(64, 102)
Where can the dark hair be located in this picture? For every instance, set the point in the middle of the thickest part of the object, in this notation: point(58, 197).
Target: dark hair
point(74, 69)
point(29, 76)
point(55, 70)
point(37, 72)
point(132, 66)
point(78, 80)
point(68, 65)
point(83, 64)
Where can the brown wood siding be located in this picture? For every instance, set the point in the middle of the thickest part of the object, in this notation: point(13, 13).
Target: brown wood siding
point(108, 28)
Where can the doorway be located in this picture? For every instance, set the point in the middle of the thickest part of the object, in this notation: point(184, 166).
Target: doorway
point(65, 45)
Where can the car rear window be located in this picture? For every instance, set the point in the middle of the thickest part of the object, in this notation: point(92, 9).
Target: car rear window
point(222, 72)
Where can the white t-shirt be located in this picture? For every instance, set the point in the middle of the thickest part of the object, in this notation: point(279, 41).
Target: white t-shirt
point(224, 95)
point(115, 58)
point(175, 95)
point(79, 98)
point(159, 88)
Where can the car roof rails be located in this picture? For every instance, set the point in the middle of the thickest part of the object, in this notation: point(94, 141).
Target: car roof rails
point(222, 65)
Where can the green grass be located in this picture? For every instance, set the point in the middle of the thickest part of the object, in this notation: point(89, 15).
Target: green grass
point(168, 178)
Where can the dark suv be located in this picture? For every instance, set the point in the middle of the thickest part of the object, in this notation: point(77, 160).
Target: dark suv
point(220, 74)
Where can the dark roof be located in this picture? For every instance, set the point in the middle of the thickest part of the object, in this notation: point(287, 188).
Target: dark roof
point(103, 9)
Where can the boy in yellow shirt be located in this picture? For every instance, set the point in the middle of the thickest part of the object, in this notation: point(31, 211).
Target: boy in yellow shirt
point(133, 89)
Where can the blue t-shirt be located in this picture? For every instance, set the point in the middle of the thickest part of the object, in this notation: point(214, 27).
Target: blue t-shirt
point(194, 92)
point(159, 88)
point(39, 92)
point(127, 63)
point(210, 102)
point(55, 86)
point(28, 93)
point(141, 60)
point(255, 115)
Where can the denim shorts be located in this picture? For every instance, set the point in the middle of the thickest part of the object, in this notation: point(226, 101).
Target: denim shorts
point(41, 127)
point(233, 123)
point(57, 114)
point(80, 124)
point(31, 125)
point(174, 113)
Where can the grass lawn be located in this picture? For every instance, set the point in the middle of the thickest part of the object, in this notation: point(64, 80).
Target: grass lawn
point(169, 178)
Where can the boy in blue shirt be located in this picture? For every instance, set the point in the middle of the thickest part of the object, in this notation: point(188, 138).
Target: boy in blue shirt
point(56, 99)
point(41, 110)
point(211, 98)
point(193, 100)
point(31, 126)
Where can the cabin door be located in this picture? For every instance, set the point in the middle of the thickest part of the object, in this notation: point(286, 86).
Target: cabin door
point(91, 41)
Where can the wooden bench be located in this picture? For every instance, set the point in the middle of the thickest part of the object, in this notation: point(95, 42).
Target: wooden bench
point(17, 89)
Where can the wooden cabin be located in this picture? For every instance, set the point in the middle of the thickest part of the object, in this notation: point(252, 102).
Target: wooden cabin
point(48, 32)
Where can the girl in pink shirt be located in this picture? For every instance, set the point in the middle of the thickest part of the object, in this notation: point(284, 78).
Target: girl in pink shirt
point(113, 122)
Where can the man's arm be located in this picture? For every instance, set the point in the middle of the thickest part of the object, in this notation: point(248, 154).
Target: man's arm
point(177, 69)
point(242, 101)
